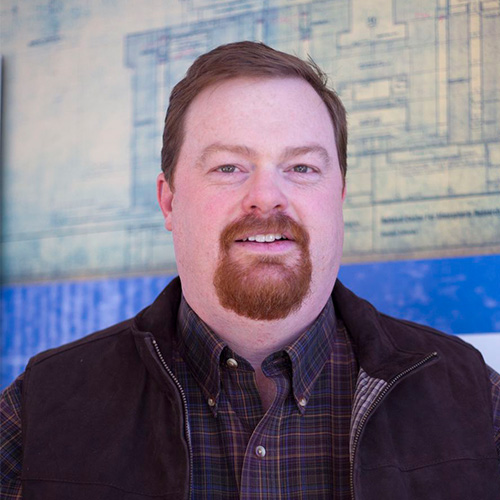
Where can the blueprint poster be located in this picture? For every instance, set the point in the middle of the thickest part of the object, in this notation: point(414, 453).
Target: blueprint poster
point(85, 90)
point(87, 85)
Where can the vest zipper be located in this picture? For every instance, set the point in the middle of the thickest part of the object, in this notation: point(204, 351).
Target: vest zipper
point(186, 419)
point(372, 407)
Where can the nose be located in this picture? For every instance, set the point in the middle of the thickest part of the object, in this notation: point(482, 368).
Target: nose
point(264, 193)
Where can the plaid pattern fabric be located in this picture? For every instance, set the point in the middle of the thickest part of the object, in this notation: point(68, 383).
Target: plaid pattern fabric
point(11, 442)
point(367, 389)
point(226, 452)
point(495, 396)
point(299, 448)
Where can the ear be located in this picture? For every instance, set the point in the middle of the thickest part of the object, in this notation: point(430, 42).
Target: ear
point(344, 192)
point(165, 199)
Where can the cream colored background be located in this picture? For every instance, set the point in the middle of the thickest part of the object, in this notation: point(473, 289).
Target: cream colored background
point(86, 86)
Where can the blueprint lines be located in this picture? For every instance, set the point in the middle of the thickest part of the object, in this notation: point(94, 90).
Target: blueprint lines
point(87, 87)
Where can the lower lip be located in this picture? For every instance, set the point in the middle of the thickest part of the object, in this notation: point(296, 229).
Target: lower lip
point(278, 246)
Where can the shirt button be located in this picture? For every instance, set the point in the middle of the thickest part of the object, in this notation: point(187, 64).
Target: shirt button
point(260, 451)
point(302, 401)
point(232, 363)
point(211, 402)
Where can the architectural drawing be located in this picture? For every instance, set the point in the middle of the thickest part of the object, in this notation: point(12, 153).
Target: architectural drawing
point(419, 80)
point(85, 89)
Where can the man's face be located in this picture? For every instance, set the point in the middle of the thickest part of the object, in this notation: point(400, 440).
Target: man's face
point(258, 162)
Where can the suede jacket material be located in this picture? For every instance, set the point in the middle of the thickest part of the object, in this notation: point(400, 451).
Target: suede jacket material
point(104, 418)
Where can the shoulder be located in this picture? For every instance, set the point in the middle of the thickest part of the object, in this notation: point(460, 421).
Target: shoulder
point(157, 318)
point(459, 360)
point(96, 341)
point(83, 364)
point(371, 327)
point(418, 336)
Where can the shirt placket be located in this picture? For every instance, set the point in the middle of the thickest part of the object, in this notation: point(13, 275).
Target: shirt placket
point(260, 475)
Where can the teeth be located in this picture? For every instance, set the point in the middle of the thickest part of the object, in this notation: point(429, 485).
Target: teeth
point(265, 238)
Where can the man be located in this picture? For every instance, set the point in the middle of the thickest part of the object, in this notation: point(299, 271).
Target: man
point(248, 377)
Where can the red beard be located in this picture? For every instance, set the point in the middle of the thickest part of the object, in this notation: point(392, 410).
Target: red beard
point(263, 287)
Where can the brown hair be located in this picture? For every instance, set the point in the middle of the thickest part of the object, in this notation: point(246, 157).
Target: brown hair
point(244, 59)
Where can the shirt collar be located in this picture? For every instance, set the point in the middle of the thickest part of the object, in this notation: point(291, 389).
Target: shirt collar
point(204, 351)
point(309, 353)
point(201, 349)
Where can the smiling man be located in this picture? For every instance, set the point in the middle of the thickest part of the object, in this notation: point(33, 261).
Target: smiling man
point(255, 374)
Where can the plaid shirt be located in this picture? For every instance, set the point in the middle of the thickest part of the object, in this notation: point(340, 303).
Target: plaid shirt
point(299, 448)
point(11, 441)
point(225, 462)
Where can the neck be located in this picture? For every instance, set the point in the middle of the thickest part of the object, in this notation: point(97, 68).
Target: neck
point(255, 340)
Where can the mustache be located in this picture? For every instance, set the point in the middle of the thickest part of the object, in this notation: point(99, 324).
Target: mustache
point(250, 224)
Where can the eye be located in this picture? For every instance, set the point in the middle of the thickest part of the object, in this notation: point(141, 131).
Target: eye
point(227, 169)
point(302, 169)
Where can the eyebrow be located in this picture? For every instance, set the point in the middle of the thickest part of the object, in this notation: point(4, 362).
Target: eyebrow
point(292, 152)
point(218, 147)
point(288, 154)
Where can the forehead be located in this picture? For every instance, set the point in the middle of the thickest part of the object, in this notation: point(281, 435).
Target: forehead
point(241, 108)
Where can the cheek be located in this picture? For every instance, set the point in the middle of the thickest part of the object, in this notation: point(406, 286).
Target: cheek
point(196, 226)
point(327, 233)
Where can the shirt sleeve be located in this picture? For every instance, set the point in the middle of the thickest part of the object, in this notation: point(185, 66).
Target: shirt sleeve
point(11, 441)
point(495, 398)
